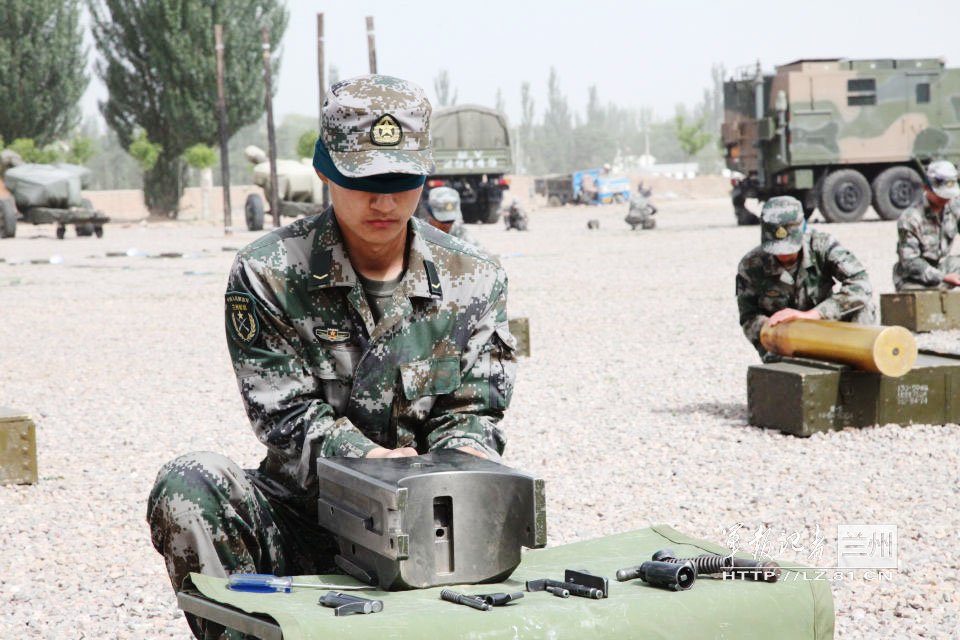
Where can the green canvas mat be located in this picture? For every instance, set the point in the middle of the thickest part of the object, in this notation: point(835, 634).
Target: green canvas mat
point(794, 607)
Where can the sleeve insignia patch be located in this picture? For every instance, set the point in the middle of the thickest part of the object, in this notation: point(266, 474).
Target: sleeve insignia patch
point(781, 233)
point(243, 325)
point(331, 335)
point(386, 131)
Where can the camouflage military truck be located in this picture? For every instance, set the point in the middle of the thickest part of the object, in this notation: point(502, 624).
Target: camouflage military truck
point(840, 134)
point(471, 148)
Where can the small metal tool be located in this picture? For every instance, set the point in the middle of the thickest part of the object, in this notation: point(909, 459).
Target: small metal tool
point(470, 601)
point(344, 604)
point(499, 599)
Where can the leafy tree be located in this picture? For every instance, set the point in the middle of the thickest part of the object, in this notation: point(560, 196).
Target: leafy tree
point(28, 150)
point(200, 156)
point(691, 137)
point(306, 144)
point(42, 59)
point(441, 86)
point(555, 142)
point(81, 150)
point(159, 65)
point(146, 153)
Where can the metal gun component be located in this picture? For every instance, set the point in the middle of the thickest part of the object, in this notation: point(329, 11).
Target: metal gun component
point(344, 604)
point(587, 579)
point(669, 575)
point(542, 584)
point(711, 563)
point(557, 591)
point(471, 601)
point(891, 351)
point(499, 599)
point(442, 518)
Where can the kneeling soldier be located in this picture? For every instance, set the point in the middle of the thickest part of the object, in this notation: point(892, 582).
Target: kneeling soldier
point(926, 232)
point(356, 332)
point(792, 275)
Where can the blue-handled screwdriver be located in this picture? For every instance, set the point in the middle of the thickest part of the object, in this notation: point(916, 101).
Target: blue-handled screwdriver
point(266, 583)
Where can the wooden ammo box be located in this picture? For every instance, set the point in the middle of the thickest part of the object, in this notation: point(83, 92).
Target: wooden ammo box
point(18, 448)
point(802, 397)
point(922, 310)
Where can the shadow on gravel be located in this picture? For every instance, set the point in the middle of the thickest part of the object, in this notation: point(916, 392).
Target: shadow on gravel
point(734, 411)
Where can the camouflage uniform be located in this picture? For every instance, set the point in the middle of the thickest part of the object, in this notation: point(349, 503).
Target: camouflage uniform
point(459, 230)
point(764, 286)
point(319, 378)
point(923, 247)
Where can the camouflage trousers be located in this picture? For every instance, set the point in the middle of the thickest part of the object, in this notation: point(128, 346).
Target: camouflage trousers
point(950, 264)
point(207, 515)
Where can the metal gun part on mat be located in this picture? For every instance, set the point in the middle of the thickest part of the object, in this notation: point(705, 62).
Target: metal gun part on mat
point(542, 584)
point(712, 563)
point(344, 604)
point(676, 576)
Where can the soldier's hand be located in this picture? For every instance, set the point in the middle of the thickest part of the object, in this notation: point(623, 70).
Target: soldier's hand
point(401, 452)
point(952, 279)
point(785, 315)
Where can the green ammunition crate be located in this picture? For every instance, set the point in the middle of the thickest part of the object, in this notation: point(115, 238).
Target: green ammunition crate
point(803, 397)
point(922, 310)
point(18, 448)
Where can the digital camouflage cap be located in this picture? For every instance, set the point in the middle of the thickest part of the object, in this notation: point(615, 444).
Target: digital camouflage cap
point(377, 124)
point(781, 221)
point(444, 204)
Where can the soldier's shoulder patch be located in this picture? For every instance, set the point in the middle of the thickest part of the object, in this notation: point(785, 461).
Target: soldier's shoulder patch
point(243, 324)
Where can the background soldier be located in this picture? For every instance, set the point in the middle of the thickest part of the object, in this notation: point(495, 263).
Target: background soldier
point(792, 274)
point(443, 212)
point(356, 332)
point(926, 231)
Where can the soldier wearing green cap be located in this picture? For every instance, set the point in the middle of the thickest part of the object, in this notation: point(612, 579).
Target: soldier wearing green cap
point(443, 212)
point(792, 275)
point(361, 331)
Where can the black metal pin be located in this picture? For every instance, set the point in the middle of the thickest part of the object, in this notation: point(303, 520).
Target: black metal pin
point(459, 598)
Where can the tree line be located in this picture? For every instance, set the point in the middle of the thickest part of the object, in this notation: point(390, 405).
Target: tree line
point(157, 60)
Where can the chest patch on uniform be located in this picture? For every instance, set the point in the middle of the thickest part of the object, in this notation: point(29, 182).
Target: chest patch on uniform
point(242, 321)
point(386, 131)
point(773, 293)
point(331, 335)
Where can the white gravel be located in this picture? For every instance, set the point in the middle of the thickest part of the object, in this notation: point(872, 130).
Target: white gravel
point(632, 407)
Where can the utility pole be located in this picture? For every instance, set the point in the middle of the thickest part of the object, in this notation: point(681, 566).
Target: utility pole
point(271, 137)
point(321, 66)
point(371, 48)
point(222, 108)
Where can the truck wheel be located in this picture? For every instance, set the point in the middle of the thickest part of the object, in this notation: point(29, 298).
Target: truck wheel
point(554, 201)
point(8, 218)
point(98, 230)
point(845, 196)
point(84, 229)
point(493, 214)
point(254, 212)
point(895, 190)
point(61, 231)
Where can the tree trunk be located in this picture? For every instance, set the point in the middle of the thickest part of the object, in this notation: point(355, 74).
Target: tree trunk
point(163, 186)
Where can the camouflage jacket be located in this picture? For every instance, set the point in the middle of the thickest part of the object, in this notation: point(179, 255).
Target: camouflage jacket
point(319, 379)
point(924, 241)
point(765, 287)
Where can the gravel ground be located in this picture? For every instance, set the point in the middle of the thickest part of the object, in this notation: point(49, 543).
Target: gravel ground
point(632, 407)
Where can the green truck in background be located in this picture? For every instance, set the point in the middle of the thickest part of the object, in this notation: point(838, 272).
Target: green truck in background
point(839, 134)
point(471, 149)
